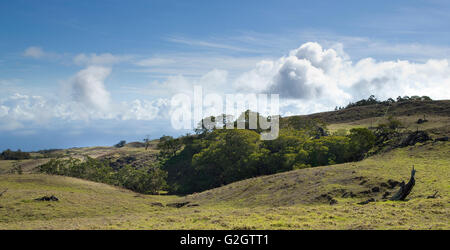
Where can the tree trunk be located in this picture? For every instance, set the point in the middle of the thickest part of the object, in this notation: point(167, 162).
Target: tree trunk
point(404, 190)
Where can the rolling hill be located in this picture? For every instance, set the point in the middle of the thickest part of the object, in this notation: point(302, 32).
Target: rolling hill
point(324, 197)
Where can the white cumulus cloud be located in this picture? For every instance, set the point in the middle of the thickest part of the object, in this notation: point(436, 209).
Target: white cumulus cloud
point(318, 78)
point(89, 89)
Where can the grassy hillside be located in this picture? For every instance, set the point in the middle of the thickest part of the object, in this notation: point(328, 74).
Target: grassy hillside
point(138, 155)
point(291, 200)
point(324, 197)
point(418, 108)
point(82, 204)
point(436, 113)
point(307, 186)
point(27, 166)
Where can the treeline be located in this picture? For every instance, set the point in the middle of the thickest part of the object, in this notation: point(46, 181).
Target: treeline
point(14, 155)
point(373, 100)
point(148, 180)
point(219, 157)
point(215, 157)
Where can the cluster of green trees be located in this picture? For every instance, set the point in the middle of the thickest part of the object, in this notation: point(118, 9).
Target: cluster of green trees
point(120, 144)
point(215, 157)
point(373, 100)
point(148, 180)
point(168, 146)
point(14, 155)
point(223, 156)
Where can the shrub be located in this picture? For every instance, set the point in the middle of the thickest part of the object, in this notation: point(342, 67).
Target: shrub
point(149, 180)
point(361, 141)
point(14, 155)
point(120, 144)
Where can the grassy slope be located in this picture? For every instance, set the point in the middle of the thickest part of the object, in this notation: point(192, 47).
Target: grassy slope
point(438, 126)
point(420, 108)
point(436, 112)
point(111, 153)
point(283, 201)
point(28, 165)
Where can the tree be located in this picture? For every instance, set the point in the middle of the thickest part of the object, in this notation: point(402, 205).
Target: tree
point(145, 180)
point(361, 141)
point(120, 144)
point(228, 157)
point(393, 123)
point(206, 125)
point(14, 155)
point(169, 146)
point(140, 180)
point(147, 142)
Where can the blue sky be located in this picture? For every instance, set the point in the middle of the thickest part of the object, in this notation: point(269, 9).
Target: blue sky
point(81, 73)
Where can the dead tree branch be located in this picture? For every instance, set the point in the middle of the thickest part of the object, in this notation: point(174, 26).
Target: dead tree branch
point(405, 190)
point(435, 195)
point(3, 192)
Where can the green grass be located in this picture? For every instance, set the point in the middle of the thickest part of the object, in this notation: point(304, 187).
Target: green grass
point(428, 108)
point(27, 165)
point(283, 201)
point(434, 124)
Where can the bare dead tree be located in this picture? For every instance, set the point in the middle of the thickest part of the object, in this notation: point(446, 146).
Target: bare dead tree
point(405, 190)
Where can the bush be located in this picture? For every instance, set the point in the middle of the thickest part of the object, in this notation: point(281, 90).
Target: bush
point(230, 156)
point(214, 157)
point(361, 141)
point(148, 181)
point(168, 146)
point(120, 144)
point(14, 155)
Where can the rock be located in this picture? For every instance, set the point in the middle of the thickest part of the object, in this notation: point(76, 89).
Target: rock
point(327, 198)
point(442, 139)
point(365, 192)
point(415, 137)
point(386, 194)
point(420, 121)
point(157, 204)
point(193, 205)
point(392, 183)
point(178, 204)
point(348, 194)
point(366, 201)
point(375, 189)
point(47, 198)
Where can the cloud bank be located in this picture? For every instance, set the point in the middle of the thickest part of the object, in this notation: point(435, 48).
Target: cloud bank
point(309, 79)
point(321, 78)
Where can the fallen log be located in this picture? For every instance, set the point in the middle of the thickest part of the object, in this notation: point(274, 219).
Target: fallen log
point(405, 190)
